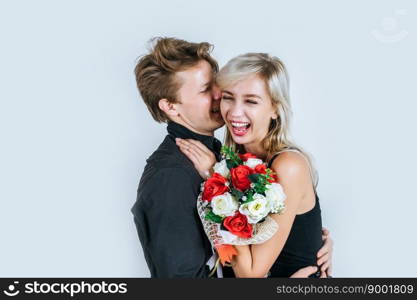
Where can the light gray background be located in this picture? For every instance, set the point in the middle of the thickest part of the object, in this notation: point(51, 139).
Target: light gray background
point(75, 134)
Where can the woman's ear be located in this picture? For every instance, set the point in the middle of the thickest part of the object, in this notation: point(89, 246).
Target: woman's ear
point(168, 108)
point(274, 115)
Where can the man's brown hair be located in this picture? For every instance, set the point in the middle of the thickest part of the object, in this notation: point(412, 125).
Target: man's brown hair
point(155, 72)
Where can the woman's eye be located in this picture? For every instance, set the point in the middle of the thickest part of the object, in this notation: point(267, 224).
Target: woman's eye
point(251, 102)
point(227, 98)
point(205, 91)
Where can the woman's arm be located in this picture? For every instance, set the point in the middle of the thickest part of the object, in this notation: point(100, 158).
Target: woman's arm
point(242, 262)
point(245, 254)
point(294, 176)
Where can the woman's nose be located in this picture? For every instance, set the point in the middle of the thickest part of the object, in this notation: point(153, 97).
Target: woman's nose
point(236, 110)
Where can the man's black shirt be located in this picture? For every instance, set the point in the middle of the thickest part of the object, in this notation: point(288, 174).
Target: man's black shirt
point(165, 213)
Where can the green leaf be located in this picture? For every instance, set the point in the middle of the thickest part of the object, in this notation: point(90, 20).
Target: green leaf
point(249, 197)
point(231, 164)
point(238, 194)
point(260, 189)
point(254, 177)
point(224, 149)
point(231, 155)
point(213, 217)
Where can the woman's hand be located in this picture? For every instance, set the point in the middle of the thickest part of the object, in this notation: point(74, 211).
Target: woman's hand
point(202, 158)
point(324, 256)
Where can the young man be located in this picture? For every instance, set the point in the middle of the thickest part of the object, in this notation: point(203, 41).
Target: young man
point(176, 82)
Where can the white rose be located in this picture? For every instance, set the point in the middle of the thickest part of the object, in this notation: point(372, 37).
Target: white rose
point(253, 162)
point(224, 205)
point(276, 197)
point(255, 210)
point(221, 168)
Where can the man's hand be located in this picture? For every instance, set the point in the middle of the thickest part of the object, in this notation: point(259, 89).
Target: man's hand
point(324, 256)
point(304, 272)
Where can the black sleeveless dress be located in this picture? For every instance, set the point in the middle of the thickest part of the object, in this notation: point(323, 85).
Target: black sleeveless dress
point(302, 245)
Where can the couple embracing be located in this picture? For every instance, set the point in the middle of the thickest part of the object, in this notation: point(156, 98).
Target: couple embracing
point(181, 85)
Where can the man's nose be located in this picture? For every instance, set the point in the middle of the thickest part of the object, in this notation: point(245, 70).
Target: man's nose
point(216, 92)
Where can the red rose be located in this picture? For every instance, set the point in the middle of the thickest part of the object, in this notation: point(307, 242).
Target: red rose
point(261, 169)
point(214, 186)
point(240, 177)
point(246, 156)
point(238, 225)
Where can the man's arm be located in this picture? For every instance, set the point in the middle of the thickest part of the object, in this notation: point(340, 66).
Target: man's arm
point(175, 239)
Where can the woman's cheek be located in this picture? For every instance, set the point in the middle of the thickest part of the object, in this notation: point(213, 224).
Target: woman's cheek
point(223, 109)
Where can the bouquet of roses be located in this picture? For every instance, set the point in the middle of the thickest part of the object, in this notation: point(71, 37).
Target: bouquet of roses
point(236, 200)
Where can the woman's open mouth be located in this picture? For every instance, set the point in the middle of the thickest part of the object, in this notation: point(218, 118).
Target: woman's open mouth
point(240, 128)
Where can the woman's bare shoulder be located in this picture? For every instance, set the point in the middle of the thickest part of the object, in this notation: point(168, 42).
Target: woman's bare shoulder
point(291, 164)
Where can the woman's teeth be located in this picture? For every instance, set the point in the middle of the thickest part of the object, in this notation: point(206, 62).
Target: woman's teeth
point(239, 124)
point(240, 128)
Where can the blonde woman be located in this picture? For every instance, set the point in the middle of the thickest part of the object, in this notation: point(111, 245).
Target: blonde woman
point(256, 109)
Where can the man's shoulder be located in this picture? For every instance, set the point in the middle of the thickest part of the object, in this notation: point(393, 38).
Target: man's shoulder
point(167, 168)
point(168, 156)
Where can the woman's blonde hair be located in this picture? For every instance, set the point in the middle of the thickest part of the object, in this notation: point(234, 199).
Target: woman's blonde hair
point(272, 70)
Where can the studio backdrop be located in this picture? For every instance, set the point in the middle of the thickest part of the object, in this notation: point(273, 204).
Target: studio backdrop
point(75, 133)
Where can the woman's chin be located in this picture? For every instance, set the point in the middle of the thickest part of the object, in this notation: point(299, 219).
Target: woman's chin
point(240, 139)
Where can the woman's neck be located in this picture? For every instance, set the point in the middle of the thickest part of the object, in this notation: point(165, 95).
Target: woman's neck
point(255, 149)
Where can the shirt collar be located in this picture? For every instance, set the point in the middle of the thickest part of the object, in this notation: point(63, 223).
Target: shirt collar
point(178, 131)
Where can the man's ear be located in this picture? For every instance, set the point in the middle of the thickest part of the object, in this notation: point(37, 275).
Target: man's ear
point(168, 108)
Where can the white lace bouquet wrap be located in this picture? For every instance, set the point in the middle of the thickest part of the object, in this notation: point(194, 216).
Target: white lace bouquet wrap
point(235, 203)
